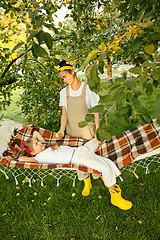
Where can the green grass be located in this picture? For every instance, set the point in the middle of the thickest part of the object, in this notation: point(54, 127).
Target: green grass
point(53, 214)
point(13, 111)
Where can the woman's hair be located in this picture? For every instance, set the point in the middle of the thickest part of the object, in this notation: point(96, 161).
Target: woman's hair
point(29, 146)
point(64, 64)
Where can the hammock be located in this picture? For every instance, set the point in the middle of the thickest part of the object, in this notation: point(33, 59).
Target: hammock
point(141, 143)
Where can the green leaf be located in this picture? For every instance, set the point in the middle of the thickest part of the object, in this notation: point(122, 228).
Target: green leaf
point(136, 103)
point(17, 46)
point(39, 51)
point(40, 37)
point(32, 35)
point(147, 24)
point(89, 117)
point(48, 40)
point(146, 64)
point(60, 24)
point(156, 108)
point(155, 83)
point(94, 73)
point(102, 93)
point(82, 124)
point(149, 49)
point(105, 132)
point(115, 87)
point(122, 110)
point(136, 70)
point(90, 56)
point(122, 119)
point(119, 79)
point(34, 52)
point(119, 95)
point(155, 36)
point(145, 115)
point(137, 46)
point(130, 84)
point(142, 79)
point(129, 97)
point(149, 89)
point(156, 73)
point(134, 120)
point(101, 62)
point(93, 78)
point(50, 26)
point(107, 99)
point(101, 66)
point(157, 29)
point(97, 108)
point(87, 72)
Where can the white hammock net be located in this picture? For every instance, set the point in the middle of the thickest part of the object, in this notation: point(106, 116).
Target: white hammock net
point(30, 175)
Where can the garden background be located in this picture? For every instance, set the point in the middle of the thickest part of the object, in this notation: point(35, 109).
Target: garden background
point(99, 38)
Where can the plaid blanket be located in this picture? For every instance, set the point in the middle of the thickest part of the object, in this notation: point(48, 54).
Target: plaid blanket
point(122, 149)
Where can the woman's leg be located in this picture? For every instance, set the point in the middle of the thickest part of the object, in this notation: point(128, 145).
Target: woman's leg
point(104, 165)
point(109, 174)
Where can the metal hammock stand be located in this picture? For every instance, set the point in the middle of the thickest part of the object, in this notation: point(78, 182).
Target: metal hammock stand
point(138, 147)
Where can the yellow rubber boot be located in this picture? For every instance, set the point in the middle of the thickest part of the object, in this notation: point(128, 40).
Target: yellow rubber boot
point(87, 187)
point(117, 200)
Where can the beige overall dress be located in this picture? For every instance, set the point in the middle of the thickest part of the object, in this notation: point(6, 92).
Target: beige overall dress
point(76, 111)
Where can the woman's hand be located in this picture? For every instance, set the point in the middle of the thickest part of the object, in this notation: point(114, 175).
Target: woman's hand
point(38, 136)
point(60, 135)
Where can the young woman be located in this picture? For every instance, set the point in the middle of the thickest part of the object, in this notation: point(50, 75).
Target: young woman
point(75, 100)
point(34, 150)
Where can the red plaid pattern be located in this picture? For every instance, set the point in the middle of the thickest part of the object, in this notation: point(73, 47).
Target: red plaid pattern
point(125, 147)
point(122, 149)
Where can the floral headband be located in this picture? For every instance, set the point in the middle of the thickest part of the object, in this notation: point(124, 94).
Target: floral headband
point(24, 146)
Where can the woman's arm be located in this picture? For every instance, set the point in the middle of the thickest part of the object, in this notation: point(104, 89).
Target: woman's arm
point(38, 136)
point(27, 159)
point(97, 120)
point(64, 119)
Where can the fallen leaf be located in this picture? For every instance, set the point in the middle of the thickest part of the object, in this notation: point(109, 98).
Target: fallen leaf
point(140, 221)
point(98, 217)
point(4, 214)
point(141, 184)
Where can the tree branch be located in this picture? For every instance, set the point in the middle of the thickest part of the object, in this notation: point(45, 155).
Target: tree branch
point(13, 61)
